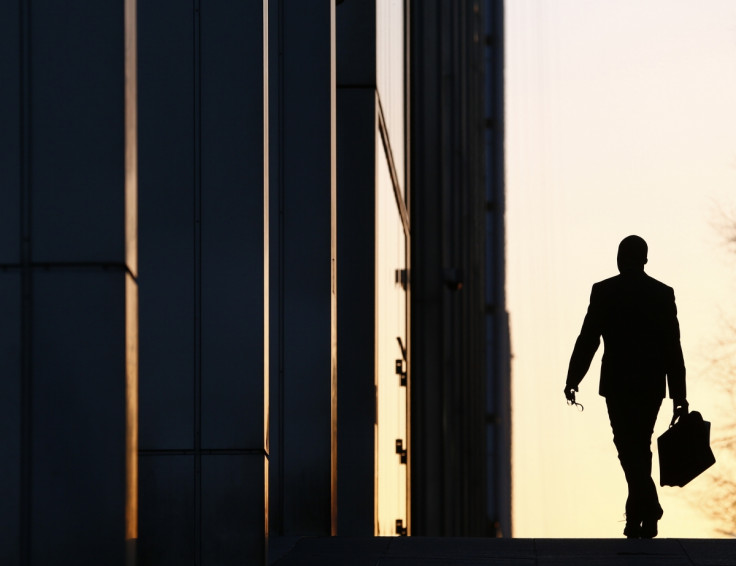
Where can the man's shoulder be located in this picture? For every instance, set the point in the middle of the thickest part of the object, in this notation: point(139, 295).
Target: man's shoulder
point(602, 291)
point(658, 285)
point(642, 280)
point(609, 283)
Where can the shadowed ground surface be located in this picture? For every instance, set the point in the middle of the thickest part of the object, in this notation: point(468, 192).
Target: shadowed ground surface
point(416, 551)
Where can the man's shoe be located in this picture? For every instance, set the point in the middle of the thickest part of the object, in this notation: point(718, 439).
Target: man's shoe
point(632, 529)
point(649, 528)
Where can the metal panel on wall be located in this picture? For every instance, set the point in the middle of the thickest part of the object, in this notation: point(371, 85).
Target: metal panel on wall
point(166, 509)
point(233, 500)
point(64, 188)
point(77, 131)
point(10, 147)
point(306, 478)
point(10, 414)
point(78, 422)
point(232, 233)
point(166, 228)
point(202, 237)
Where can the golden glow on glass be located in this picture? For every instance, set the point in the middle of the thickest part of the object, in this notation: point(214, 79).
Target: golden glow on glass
point(391, 473)
point(131, 407)
point(131, 139)
point(266, 267)
point(333, 254)
point(390, 73)
point(391, 261)
point(131, 286)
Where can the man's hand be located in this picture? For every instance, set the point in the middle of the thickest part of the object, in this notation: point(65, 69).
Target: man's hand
point(570, 396)
point(679, 408)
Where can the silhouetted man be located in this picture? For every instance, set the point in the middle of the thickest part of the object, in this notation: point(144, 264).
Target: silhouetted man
point(637, 318)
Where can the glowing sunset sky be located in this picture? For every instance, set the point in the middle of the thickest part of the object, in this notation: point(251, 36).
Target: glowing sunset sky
point(620, 119)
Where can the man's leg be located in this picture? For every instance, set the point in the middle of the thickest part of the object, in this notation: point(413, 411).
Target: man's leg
point(632, 422)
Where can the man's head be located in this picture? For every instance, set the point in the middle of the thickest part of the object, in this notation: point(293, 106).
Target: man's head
point(632, 254)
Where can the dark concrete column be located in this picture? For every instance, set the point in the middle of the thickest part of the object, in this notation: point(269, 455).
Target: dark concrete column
point(356, 311)
point(67, 283)
point(373, 230)
point(356, 176)
point(204, 272)
point(304, 391)
point(498, 367)
point(451, 462)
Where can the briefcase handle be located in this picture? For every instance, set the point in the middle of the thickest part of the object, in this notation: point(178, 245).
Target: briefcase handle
point(684, 410)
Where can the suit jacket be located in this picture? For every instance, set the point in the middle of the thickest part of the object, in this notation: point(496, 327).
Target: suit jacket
point(637, 318)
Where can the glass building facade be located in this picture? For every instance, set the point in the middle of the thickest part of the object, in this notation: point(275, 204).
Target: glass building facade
point(373, 244)
point(460, 399)
point(251, 277)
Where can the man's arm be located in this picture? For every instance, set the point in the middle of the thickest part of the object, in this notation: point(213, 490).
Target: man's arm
point(586, 344)
point(675, 361)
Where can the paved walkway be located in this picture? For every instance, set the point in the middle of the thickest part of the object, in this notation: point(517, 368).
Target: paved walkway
point(419, 551)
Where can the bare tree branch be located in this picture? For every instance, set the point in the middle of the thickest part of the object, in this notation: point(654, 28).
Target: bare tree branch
point(719, 498)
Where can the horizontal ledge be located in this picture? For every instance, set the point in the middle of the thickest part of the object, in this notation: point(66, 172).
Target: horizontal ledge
point(69, 265)
point(204, 452)
point(357, 86)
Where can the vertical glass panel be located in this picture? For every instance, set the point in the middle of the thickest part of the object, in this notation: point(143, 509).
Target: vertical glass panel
point(391, 437)
point(131, 261)
point(390, 75)
point(131, 407)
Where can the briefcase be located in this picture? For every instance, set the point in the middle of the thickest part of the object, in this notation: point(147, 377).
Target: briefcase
point(684, 450)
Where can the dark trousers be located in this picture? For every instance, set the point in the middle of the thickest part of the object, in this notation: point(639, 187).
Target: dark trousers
point(632, 421)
